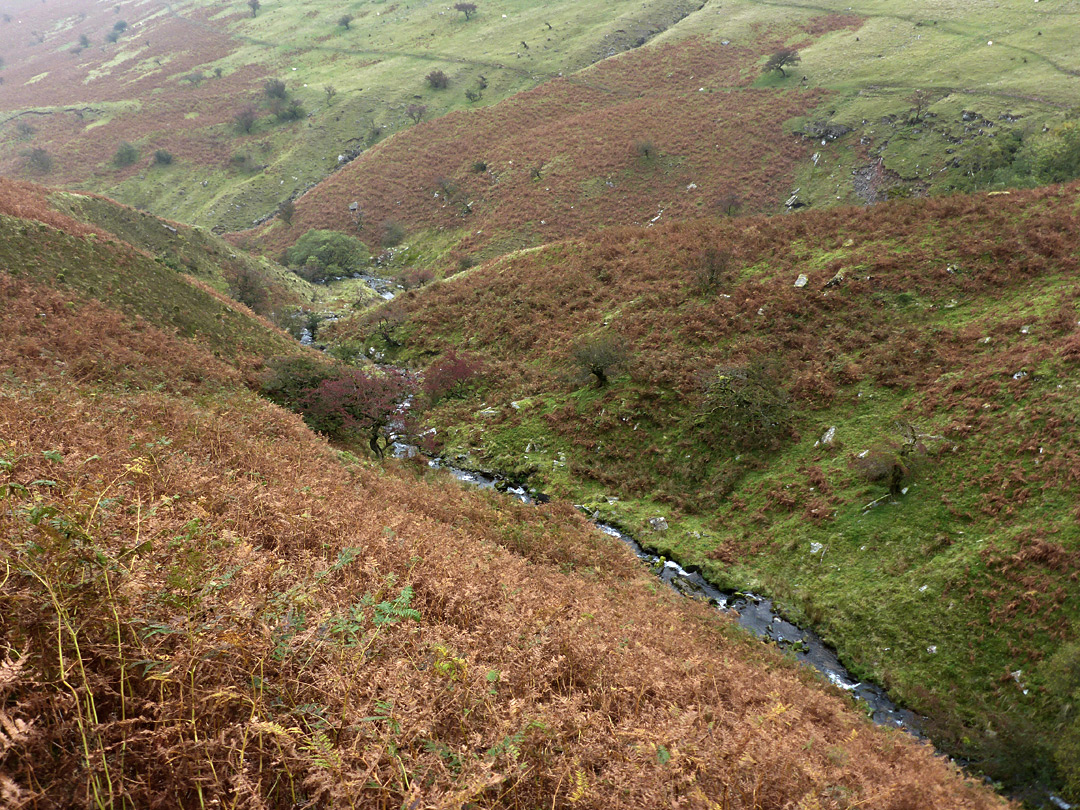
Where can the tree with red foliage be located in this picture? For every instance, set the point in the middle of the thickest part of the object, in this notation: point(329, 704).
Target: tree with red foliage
point(451, 375)
point(367, 403)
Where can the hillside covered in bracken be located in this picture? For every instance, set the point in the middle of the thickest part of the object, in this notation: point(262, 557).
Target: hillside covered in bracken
point(671, 132)
point(866, 413)
point(204, 603)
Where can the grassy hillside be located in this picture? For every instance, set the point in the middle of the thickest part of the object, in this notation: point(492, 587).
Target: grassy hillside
point(175, 78)
point(204, 604)
point(938, 338)
point(659, 134)
point(42, 243)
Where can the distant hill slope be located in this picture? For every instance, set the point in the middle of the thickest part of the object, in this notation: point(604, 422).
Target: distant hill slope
point(202, 603)
point(178, 73)
point(664, 133)
point(779, 373)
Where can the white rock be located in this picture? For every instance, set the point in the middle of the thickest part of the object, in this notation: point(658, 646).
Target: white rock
point(802, 280)
point(829, 435)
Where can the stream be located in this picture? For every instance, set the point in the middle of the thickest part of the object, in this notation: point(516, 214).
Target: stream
point(753, 612)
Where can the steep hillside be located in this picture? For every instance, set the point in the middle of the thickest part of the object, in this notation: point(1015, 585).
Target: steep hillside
point(40, 242)
point(866, 413)
point(204, 604)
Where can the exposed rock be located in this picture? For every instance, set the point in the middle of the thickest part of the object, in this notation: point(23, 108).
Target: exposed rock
point(658, 524)
point(802, 280)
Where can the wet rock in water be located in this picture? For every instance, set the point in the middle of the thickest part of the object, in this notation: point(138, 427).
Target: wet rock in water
point(658, 524)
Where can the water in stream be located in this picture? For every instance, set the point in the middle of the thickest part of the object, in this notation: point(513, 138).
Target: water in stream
point(753, 612)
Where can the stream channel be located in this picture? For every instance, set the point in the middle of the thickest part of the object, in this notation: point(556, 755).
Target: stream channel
point(753, 612)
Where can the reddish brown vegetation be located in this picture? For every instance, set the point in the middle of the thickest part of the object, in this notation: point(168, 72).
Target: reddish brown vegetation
point(560, 158)
point(201, 605)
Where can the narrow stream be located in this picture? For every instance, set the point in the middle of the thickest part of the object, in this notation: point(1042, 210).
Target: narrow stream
point(753, 612)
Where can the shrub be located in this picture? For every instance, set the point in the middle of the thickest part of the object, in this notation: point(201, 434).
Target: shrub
point(893, 463)
point(745, 407)
point(112, 36)
point(392, 233)
point(126, 154)
point(473, 95)
point(437, 80)
point(275, 88)
point(479, 167)
point(599, 357)
point(287, 380)
point(39, 160)
point(709, 269)
point(285, 210)
point(25, 130)
point(345, 20)
point(120, 26)
point(328, 249)
point(163, 157)
point(291, 110)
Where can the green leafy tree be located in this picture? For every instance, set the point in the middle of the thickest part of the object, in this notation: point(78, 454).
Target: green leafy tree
point(331, 249)
point(784, 57)
point(599, 357)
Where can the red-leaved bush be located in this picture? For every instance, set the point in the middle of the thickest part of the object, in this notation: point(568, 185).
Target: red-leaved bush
point(371, 404)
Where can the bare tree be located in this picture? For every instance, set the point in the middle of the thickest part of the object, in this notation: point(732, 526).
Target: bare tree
point(254, 5)
point(416, 112)
point(785, 57)
point(245, 119)
point(344, 21)
point(330, 91)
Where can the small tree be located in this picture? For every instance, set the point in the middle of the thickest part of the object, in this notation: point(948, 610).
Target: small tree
point(919, 101)
point(195, 78)
point(275, 88)
point(285, 211)
point(361, 403)
point(785, 57)
point(254, 5)
point(416, 112)
point(249, 288)
point(163, 158)
point(468, 9)
point(345, 20)
point(709, 269)
point(729, 203)
point(25, 130)
point(392, 233)
point(745, 407)
point(473, 95)
point(330, 91)
point(599, 357)
point(245, 119)
point(126, 154)
point(120, 26)
point(291, 110)
point(645, 149)
point(84, 41)
point(437, 80)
